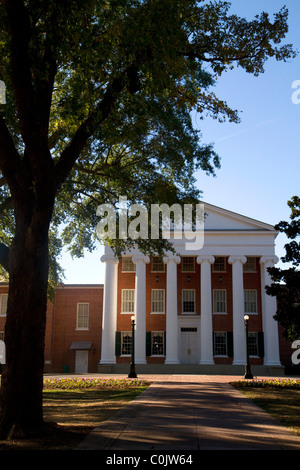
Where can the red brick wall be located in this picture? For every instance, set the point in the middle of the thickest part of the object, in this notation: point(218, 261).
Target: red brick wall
point(64, 331)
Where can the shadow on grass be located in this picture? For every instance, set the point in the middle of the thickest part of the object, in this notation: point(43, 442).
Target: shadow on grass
point(70, 415)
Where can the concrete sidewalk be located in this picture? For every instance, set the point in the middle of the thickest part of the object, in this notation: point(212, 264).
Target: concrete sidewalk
point(191, 412)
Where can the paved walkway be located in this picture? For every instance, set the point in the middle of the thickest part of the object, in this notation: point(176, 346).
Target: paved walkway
point(190, 412)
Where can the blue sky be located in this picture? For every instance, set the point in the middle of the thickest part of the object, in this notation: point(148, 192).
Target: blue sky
point(260, 164)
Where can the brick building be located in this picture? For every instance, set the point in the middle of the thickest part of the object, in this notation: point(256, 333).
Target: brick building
point(188, 308)
point(73, 328)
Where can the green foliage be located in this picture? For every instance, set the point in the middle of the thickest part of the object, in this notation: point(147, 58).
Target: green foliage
point(286, 282)
point(85, 383)
point(268, 383)
point(109, 86)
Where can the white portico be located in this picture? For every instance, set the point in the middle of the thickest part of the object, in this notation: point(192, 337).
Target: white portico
point(199, 320)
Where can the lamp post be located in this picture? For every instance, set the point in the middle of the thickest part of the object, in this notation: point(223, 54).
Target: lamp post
point(248, 374)
point(132, 373)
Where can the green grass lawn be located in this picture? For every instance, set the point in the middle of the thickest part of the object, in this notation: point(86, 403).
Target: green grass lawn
point(73, 408)
point(280, 398)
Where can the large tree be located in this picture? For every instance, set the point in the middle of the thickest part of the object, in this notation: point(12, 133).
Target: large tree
point(98, 101)
point(286, 282)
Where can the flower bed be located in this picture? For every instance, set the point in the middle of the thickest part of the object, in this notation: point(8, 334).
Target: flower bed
point(83, 383)
point(264, 383)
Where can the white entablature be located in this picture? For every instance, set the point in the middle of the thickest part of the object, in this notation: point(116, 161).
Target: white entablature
point(227, 233)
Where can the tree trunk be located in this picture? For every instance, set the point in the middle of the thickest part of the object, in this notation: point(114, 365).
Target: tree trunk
point(22, 379)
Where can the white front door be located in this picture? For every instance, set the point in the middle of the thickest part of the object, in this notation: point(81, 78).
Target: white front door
point(81, 361)
point(189, 346)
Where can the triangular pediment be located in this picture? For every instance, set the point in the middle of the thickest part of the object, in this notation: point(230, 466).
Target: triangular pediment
point(220, 219)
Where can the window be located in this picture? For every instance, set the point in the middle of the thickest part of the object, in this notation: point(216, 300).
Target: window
point(128, 301)
point(188, 301)
point(253, 344)
point(219, 301)
point(126, 341)
point(158, 301)
point(2, 348)
point(250, 301)
point(127, 264)
point(157, 343)
point(82, 316)
point(157, 264)
point(219, 264)
point(220, 344)
point(3, 304)
point(187, 264)
point(250, 265)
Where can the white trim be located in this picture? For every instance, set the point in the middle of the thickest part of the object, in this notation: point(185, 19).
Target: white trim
point(215, 301)
point(163, 301)
point(130, 312)
point(193, 300)
point(85, 316)
point(3, 303)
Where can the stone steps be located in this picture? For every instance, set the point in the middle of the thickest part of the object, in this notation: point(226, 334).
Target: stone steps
point(191, 369)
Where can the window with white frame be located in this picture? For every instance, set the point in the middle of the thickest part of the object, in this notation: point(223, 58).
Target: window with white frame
point(188, 264)
point(158, 301)
point(126, 342)
point(157, 264)
point(219, 265)
point(82, 316)
point(253, 344)
point(250, 298)
point(3, 304)
point(219, 301)
point(220, 343)
point(250, 265)
point(157, 343)
point(188, 301)
point(127, 264)
point(128, 301)
point(2, 349)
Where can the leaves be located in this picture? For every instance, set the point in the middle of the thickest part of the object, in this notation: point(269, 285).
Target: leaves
point(103, 105)
point(286, 282)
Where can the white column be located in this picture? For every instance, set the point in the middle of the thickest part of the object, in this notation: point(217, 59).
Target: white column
point(140, 307)
point(239, 344)
point(109, 320)
point(270, 326)
point(171, 311)
point(206, 339)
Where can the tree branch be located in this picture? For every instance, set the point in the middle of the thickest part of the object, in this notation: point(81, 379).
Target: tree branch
point(71, 153)
point(10, 161)
point(35, 140)
point(20, 32)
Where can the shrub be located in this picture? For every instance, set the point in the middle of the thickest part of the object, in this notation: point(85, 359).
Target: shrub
point(75, 383)
point(264, 383)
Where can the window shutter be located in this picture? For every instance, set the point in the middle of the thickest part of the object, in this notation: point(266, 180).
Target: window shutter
point(261, 347)
point(165, 342)
point(230, 343)
point(118, 343)
point(148, 343)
